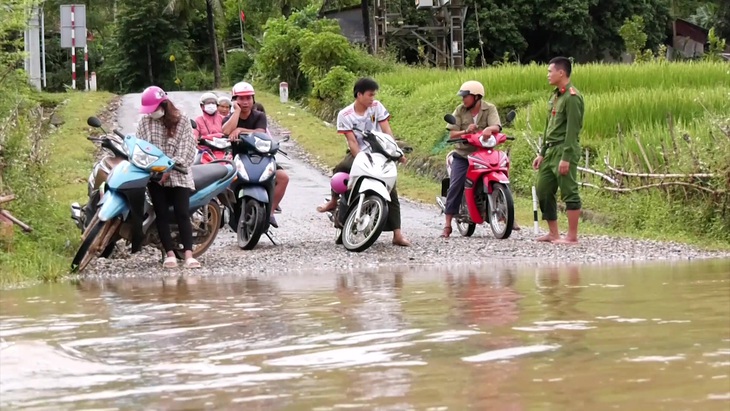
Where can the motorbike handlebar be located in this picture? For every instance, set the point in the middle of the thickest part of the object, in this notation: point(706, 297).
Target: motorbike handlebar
point(457, 140)
point(119, 133)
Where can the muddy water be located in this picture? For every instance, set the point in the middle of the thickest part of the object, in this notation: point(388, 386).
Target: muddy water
point(582, 338)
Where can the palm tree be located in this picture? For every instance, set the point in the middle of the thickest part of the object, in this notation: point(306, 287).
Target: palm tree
point(211, 7)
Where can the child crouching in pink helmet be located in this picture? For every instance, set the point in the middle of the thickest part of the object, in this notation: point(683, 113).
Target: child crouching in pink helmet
point(170, 130)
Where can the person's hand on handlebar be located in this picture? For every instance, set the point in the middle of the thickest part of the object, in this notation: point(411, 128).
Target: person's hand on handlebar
point(472, 127)
point(234, 135)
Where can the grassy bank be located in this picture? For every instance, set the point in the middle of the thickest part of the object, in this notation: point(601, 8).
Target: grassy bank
point(47, 169)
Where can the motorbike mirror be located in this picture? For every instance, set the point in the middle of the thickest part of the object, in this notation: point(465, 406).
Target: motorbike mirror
point(449, 118)
point(93, 122)
point(193, 124)
point(511, 116)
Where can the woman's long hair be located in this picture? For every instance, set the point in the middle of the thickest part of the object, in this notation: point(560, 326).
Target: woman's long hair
point(171, 117)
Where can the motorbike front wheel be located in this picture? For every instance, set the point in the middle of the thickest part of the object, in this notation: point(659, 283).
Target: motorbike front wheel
point(373, 216)
point(96, 238)
point(251, 223)
point(502, 218)
point(465, 228)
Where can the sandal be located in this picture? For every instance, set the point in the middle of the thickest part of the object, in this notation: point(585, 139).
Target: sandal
point(447, 232)
point(170, 262)
point(192, 263)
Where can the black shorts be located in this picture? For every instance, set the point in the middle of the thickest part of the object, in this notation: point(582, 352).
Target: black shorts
point(278, 167)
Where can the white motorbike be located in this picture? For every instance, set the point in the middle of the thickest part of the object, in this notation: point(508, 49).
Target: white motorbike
point(362, 211)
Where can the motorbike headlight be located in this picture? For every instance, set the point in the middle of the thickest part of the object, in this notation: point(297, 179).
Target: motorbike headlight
point(221, 142)
point(241, 168)
point(268, 172)
point(488, 143)
point(263, 146)
point(142, 159)
point(504, 161)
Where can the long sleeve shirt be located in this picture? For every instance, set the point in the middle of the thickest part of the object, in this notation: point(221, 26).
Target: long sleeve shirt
point(565, 122)
point(181, 147)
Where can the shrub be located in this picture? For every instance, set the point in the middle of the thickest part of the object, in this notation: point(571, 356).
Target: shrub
point(238, 65)
point(196, 80)
point(331, 93)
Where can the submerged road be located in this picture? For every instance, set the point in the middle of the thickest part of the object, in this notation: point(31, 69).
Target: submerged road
point(306, 237)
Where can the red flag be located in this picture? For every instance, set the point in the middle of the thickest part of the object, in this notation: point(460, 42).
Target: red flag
point(243, 16)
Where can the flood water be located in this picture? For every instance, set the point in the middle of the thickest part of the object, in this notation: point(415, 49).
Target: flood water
point(494, 338)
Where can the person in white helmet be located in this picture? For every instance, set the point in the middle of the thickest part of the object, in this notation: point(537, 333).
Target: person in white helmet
point(224, 106)
point(244, 119)
point(210, 122)
point(472, 115)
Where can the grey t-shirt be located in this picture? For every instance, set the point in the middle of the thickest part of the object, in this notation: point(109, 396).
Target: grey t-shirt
point(348, 120)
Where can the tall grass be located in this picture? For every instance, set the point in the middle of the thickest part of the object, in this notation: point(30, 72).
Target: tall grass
point(590, 78)
point(615, 95)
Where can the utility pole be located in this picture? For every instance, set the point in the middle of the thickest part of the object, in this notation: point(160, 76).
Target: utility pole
point(32, 48)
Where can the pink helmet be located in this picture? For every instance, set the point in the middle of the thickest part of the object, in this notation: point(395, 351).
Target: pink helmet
point(339, 182)
point(151, 98)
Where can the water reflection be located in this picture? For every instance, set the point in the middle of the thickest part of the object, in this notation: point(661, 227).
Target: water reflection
point(500, 337)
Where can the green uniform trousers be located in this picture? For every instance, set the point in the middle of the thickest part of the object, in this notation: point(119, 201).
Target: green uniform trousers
point(393, 222)
point(549, 180)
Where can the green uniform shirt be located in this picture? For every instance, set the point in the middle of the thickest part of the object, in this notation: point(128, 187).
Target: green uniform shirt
point(487, 116)
point(564, 123)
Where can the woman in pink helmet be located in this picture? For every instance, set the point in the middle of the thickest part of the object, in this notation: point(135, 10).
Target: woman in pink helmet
point(169, 129)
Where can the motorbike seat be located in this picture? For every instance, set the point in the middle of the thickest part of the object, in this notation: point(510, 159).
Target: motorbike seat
point(206, 174)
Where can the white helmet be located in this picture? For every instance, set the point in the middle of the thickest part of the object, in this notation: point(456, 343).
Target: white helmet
point(471, 87)
point(243, 89)
point(208, 96)
point(224, 99)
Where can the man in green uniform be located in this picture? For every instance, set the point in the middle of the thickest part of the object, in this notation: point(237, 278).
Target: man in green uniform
point(558, 159)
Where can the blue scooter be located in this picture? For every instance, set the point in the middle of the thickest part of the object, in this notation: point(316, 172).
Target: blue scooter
point(125, 210)
point(250, 196)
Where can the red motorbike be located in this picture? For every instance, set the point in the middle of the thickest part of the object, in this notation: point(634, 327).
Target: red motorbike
point(213, 147)
point(487, 196)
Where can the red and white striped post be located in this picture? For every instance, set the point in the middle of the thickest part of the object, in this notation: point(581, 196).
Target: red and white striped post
point(73, 49)
point(86, 62)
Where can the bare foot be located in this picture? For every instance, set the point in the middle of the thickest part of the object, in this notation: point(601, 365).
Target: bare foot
point(515, 227)
point(401, 241)
point(565, 240)
point(547, 238)
point(327, 207)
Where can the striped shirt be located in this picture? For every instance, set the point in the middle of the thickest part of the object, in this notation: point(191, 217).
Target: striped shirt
point(181, 147)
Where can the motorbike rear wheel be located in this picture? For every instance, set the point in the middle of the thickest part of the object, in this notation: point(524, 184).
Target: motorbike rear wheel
point(251, 223)
point(96, 239)
point(374, 215)
point(502, 220)
point(206, 222)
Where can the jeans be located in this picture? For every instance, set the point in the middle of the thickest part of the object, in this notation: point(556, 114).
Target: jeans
point(459, 167)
